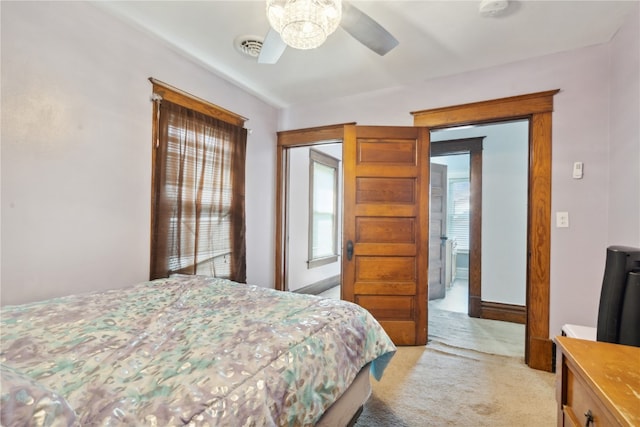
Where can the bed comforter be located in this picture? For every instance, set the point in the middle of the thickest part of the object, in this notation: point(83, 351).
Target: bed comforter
point(185, 350)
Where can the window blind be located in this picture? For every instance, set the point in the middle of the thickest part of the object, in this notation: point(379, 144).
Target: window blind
point(198, 212)
point(458, 212)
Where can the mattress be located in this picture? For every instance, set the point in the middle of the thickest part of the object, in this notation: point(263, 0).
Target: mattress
point(185, 350)
point(345, 410)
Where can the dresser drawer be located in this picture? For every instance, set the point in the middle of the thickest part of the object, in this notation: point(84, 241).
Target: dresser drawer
point(581, 401)
point(568, 418)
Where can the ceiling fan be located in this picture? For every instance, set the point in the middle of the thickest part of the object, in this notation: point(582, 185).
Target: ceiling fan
point(357, 23)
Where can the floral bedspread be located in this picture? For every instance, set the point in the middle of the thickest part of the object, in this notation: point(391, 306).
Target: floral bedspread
point(186, 350)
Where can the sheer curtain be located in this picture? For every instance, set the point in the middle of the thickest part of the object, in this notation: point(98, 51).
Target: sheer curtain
point(198, 212)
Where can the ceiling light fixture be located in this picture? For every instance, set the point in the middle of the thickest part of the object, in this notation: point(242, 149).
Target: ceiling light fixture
point(492, 8)
point(304, 24)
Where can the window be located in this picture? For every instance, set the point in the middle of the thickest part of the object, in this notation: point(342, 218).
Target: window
point(323, 208)
point(458, 212)
point(198, 189)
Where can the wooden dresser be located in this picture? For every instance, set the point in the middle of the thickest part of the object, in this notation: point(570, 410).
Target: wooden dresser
point(597, 383)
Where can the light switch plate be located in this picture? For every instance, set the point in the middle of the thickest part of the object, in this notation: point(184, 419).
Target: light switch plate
point(578, 170)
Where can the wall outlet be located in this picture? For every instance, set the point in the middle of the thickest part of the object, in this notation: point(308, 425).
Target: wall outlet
point(562, 219)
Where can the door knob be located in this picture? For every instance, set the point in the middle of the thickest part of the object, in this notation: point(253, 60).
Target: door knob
point(588, 418)
point(349, 250)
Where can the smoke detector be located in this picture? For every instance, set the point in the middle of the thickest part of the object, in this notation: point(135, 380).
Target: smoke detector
point(491, 8)
point(249, 45)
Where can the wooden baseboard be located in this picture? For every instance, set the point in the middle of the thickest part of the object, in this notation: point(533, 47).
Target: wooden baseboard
point(505, 312)
point(321, 286)
point(475, 306)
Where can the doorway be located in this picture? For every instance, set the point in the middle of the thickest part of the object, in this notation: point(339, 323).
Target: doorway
point(489, 281)
point(384, 254)
point(538, 109)
point(452, 245)
point(314, 209)
point(464, 212)
point(288, 141)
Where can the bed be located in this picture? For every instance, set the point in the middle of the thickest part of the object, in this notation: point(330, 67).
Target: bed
point(188, 350)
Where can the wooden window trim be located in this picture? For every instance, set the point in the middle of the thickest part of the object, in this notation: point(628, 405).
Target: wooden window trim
point(192, 102)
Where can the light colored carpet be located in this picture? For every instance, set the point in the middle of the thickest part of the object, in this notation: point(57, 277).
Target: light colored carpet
point(486, 336)
point(462, 381)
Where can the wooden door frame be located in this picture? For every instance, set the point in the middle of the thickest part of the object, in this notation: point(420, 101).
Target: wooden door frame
point(286, 140)
point(473, 147)
point(537, 108)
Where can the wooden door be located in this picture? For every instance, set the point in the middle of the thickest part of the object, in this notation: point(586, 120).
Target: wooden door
point(385, 231)
point(437, 231)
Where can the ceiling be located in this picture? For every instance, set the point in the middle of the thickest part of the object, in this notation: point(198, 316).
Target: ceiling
point(437, 38)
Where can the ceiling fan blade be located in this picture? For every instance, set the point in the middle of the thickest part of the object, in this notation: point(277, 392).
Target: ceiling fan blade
point(367, 31)
point(272, 48)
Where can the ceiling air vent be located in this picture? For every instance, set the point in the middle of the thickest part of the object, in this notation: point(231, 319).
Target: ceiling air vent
point(249, 45)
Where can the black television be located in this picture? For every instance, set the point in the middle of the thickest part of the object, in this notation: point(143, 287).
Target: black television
point(619, 309)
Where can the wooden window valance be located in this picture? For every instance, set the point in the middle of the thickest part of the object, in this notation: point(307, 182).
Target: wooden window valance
point(177, 96)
